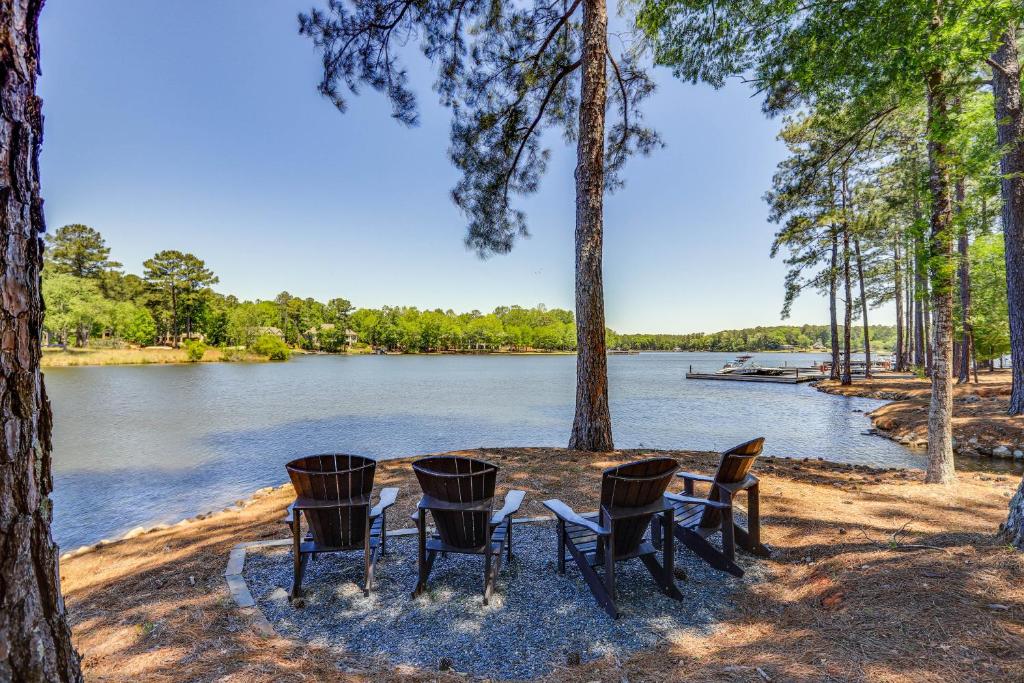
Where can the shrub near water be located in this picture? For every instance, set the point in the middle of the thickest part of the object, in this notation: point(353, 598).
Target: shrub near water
point(272, 347)
point(231, 354)
point(194, 351)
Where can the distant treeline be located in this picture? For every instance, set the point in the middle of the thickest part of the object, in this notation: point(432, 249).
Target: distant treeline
point(775, 338)
point(88, 296)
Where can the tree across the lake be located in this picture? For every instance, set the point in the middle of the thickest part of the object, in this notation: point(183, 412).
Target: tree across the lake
point(174, 301)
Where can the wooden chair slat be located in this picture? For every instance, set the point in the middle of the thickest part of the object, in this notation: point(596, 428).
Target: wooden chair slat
point(695, 523)
point(631, 496)
point(333, 496)
point(450, 485)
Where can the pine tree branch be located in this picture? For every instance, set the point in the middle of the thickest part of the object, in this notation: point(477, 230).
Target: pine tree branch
point(554, 31)
point(533, 125)
point(625, 98)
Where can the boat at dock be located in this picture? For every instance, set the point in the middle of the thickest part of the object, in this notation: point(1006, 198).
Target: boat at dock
point(744, 369)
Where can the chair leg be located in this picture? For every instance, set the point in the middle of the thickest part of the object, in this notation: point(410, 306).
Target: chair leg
point(371, 569)
point(421, 556)
point(299, 565)
point(561, 547)
point(488, 580)
point(598, 587)
point(508, 540)
point(383, 532)
point(609, 565)
point(751, 538)
point(706, 551)
point(728, 537)
point(656, 532)
point(663, 573)
point(367, 560)
point(662, 576)
point(668, 519)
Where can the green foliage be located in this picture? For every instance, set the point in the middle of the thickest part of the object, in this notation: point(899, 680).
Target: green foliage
point(331, 338)
point(194, 350)
point(777, 338)
point(180, 285)
point(232, 354)
point(508, 70)
point(271, 346)
point(78, 250)
point(989, 312)
point(133, 323)
point(247, 320)
point(117, 286)
point(515, 327)
point(73, 306)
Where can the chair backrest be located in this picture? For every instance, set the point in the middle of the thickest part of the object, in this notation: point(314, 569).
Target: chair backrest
point(733, 468)
point(335, 478)
point(634, 485)
point(456, 479)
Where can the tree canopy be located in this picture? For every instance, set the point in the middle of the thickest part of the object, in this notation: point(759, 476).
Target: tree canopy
point(78, 250)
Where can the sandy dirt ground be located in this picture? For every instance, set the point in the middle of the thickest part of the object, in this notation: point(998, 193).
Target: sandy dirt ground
point(875, 577)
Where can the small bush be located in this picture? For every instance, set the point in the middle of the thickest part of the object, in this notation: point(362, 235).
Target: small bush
point(194, 351)
point(271, 346)
point(232, 354)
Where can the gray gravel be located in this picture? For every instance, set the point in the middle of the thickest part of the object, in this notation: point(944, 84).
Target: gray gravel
point(536, 619)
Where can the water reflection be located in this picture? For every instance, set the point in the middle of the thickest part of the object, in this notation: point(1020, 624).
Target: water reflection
point(140, 445)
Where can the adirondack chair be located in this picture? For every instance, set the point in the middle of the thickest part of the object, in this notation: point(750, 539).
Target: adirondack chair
point(334, 497)
point(631, 495)
point(697, 519)
point(458, 493)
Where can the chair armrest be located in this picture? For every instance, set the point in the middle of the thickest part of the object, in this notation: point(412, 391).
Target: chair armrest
point(513, 499)
point(746, 483)
point(289, 515)
point(614, 514)
point(567, 514)
point(313, 504)
point(431, 503)
point(387, 499)
point(700, 501)
point(693, 476)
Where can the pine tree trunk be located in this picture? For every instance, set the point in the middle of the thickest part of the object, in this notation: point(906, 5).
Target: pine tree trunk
point(833, 317)
point(592, 426)
point(847, 377)
point(35, 641)
point(1013, 529)
point(908, 352)
point(964, 278)
point(919, 294)
point(1009, 109)
point(863, 309)
point(940, 414)
point(898, 282)
point(1010, 130)
point(929, 331)
point(174, 318)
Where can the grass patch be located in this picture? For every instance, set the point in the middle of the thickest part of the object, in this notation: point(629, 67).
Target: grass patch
point(71, 357)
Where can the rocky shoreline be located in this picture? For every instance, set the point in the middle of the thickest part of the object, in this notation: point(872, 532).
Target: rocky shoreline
point(981, 427)
point(138, 531)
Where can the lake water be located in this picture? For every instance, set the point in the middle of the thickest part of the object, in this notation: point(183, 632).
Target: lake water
point(138, 445)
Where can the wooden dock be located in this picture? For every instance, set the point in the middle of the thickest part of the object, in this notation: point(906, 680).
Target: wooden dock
point(788, 378)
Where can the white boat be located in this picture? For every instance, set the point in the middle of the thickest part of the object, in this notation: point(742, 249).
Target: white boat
point(744, 365)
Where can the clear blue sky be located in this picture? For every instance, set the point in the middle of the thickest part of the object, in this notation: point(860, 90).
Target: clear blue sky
point(197, 126)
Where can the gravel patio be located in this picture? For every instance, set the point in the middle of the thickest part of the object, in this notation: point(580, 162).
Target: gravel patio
point(536, 621)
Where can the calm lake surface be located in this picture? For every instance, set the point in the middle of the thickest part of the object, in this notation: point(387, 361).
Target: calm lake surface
point(138, 445)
